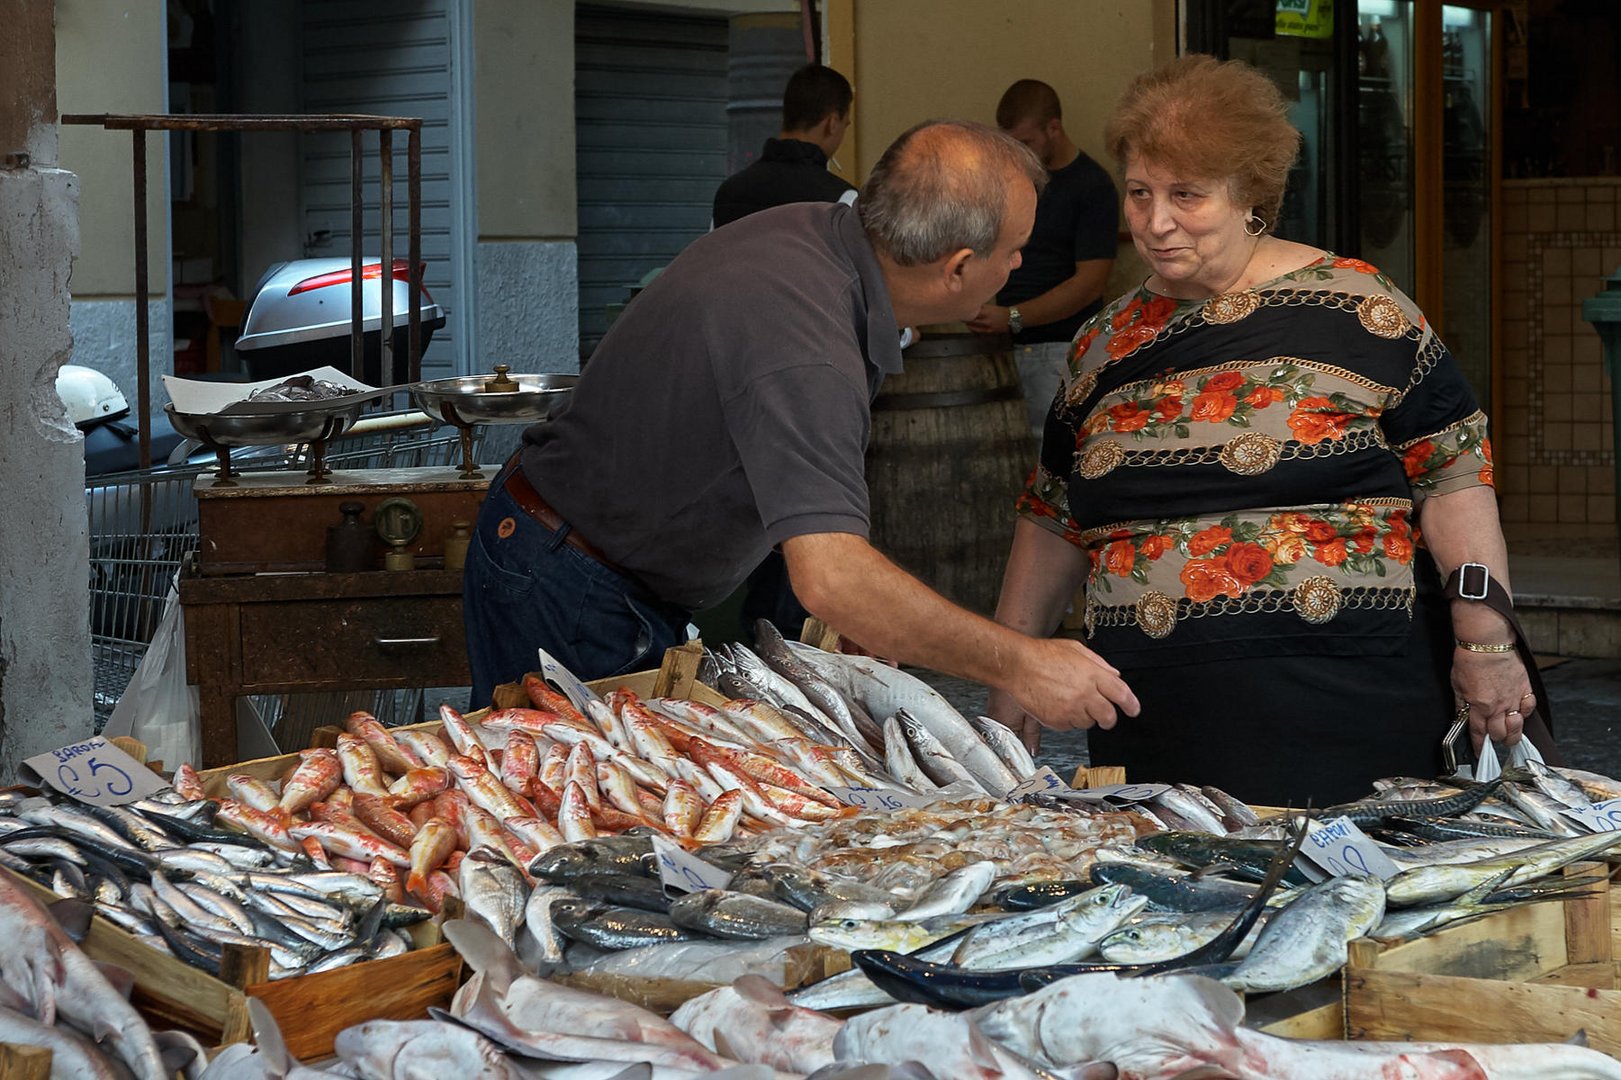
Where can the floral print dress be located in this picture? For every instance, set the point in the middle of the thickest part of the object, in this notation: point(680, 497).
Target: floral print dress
point(1244, 472)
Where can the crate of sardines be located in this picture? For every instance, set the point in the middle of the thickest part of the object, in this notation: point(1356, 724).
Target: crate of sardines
point(202, 916)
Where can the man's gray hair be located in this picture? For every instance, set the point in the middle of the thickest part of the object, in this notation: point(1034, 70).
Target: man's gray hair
point(943, 186)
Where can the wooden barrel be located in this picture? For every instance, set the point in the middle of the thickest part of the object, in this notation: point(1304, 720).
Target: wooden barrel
point(949, 453)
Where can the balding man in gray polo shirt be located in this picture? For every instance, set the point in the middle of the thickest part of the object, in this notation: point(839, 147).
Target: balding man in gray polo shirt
point(727, 412)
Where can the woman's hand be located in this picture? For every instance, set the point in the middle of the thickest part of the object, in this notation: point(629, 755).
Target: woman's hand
point(1498, 692)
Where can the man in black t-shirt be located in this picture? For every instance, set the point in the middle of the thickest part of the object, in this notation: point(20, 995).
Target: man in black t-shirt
point(793, 167)
point(1070, 253)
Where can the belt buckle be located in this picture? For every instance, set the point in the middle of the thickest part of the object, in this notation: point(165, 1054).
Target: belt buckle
point(1481, 573)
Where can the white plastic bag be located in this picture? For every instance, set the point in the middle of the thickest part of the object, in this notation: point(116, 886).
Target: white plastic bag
point(158, 708)
point(1489, 768)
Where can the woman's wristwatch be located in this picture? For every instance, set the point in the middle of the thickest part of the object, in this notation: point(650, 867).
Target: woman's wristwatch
point(1015, 321)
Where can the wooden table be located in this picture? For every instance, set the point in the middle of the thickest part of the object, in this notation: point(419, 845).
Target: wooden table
point(284, 633)
point(263, 616)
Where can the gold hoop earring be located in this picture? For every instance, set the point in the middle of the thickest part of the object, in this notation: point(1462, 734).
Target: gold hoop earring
point(1253, 226)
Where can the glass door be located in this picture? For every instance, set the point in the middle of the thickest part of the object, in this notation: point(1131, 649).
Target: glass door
point(1466, 233)
point(1384, 59)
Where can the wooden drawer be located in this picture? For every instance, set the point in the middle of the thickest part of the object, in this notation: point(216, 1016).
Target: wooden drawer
point(383, 640)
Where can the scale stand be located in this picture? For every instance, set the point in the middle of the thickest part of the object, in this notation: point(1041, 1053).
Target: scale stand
point(319, 473)
point(470, 469)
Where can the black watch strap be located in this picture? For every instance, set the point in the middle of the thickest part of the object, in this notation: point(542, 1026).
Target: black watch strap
point(1474, 582)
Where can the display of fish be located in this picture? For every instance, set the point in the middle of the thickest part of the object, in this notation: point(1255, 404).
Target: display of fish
point(159, 871)
point(540, 820)
point(885, 691)
point(55, 997)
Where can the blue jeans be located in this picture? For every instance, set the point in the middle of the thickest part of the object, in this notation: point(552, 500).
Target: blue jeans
point(524, 589)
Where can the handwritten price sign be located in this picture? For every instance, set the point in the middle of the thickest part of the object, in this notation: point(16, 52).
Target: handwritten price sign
point(688, 873)
point(1042, 782)
point(1119, 793)
point(1342, 849)
point(868, 798)
point(95, 772)
point(1600, 817)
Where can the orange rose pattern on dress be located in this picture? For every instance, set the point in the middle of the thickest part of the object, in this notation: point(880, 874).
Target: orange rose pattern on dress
point(1164, 408)
point(1459, 456)
point(1355, 264)
point(1138, 323)
point(1241, 552)
point(1316, 419)
point(1042, 500)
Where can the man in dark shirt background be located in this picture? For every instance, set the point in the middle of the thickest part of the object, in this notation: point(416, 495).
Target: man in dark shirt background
point(793, 166)
point(1070, 253)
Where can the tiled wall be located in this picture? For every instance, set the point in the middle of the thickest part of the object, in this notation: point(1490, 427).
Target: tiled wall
point(1554, 448)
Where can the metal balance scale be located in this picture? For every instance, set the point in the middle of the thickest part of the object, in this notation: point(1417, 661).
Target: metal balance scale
point(316, 425)
point(482, 399)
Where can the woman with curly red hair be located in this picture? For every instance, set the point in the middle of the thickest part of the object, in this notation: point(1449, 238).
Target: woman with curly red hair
point(1238, 469)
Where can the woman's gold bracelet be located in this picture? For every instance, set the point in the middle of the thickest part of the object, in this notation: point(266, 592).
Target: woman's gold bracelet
point(1481, 646)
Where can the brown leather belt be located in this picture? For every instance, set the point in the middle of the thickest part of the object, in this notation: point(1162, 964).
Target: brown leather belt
point(524, 494)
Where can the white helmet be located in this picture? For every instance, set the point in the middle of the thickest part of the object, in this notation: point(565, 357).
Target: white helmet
point(88, 395)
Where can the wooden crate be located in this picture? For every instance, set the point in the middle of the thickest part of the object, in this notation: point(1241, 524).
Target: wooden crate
point(1529, 974)
point(311, 1009)
point(1615, 932)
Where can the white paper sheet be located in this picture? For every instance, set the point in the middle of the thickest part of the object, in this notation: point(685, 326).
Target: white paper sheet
point(198, 397)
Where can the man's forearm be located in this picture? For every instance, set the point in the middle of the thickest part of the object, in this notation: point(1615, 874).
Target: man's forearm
point(850, 585)
point(1069, 296)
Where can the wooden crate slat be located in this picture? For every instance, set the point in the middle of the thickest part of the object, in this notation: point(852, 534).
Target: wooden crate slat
point(1412, 1005)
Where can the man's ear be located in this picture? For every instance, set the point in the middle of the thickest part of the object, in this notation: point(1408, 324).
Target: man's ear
point(954, 266)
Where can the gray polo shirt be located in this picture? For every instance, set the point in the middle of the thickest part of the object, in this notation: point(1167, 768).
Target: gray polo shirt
point(727, 409)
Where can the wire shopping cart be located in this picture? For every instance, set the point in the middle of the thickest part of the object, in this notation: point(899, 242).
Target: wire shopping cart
point(143, 525)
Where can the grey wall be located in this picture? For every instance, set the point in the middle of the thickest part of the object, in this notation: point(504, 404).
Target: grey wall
point(45, 683)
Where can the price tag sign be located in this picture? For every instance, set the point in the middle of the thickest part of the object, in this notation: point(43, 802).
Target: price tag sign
point(1042, 781)
point(573, 689)
point(1342, 849)
point(686, 872)
point(96, 772)
point(868, 798)
point(1118, 793)
point(1600, 817)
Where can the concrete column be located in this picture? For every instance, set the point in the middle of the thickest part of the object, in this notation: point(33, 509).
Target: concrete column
point(45, 676)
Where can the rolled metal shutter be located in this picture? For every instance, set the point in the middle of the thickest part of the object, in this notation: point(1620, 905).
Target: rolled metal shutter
point(392, 60)
point(650, 132)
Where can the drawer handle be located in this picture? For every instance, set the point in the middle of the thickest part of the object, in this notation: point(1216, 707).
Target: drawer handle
point(405, 642)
